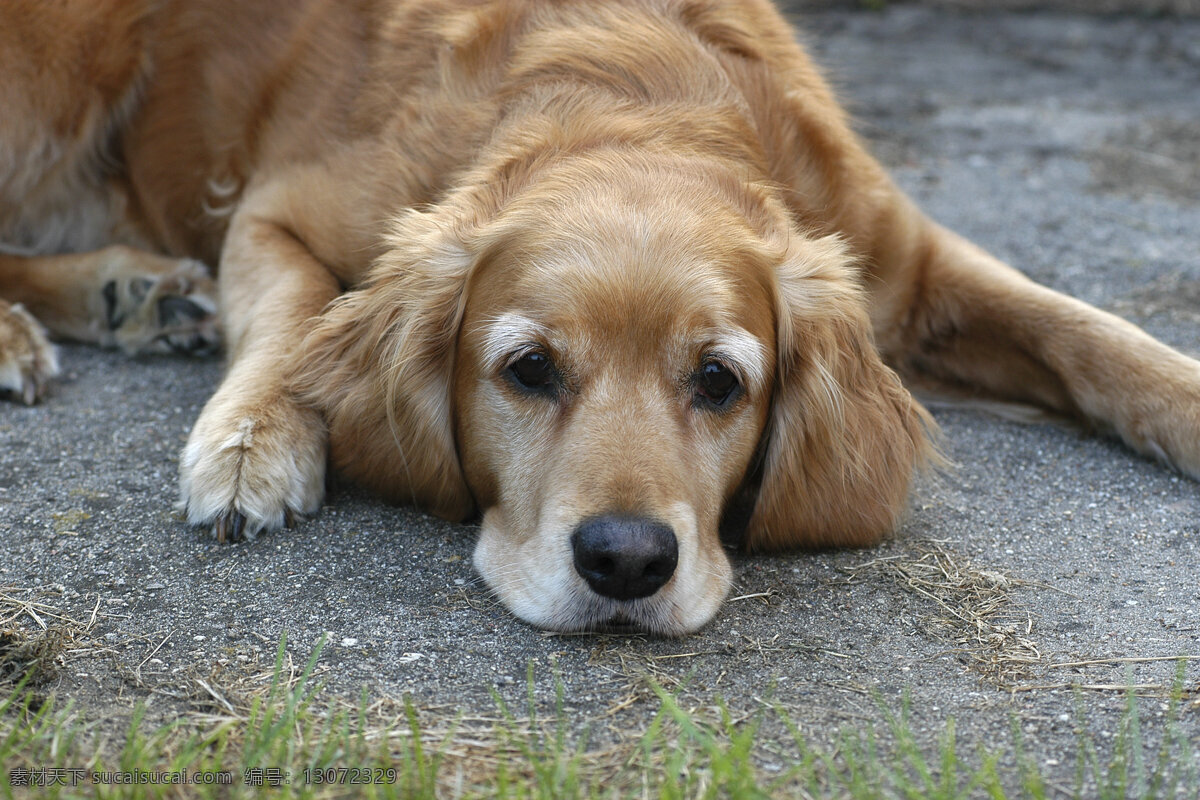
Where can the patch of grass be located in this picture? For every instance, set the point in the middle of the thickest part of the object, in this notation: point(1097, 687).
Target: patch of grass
point(289, 740)
point(30, 657)
point(972, 609)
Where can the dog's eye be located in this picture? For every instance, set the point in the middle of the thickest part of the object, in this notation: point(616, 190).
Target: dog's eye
point(716, 385)
point(534, 371)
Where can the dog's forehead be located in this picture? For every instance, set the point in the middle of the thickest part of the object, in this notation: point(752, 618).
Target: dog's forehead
point(620, 279)
point(626, 296)
point(620, 261)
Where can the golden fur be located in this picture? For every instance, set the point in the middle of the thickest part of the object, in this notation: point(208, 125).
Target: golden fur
point(503, 259)
point(72, 72)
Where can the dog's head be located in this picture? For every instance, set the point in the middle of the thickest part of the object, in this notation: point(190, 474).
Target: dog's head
point(608, 367)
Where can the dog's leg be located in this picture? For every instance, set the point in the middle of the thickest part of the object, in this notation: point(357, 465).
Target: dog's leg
point(974, 324)
point(255, 457)
point(27, 359)
point(117, 297)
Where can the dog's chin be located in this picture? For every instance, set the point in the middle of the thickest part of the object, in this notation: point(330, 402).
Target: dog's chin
point(601, 615)
point(590, 613)
point(578, 609)
point(624, 622)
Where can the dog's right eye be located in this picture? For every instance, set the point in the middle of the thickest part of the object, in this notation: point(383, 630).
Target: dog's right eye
point(534, 372)
point(716, 385)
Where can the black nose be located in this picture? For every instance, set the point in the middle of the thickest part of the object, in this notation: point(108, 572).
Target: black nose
point(624, 557)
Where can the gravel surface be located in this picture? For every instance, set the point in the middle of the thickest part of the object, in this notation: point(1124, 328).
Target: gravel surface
point(1068, 145)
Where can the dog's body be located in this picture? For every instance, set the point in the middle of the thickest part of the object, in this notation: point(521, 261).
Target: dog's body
point(614, 274)
point(73, 73)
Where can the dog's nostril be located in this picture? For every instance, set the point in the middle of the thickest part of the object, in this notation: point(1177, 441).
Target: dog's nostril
point(624, 557)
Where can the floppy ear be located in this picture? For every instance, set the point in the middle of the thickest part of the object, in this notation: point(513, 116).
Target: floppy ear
point(379, 361)
point(844, 436)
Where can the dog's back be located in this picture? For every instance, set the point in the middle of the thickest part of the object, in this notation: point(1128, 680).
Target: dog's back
point(72, 72)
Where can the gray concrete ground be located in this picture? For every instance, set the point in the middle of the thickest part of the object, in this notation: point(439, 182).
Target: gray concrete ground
point(1069, 145)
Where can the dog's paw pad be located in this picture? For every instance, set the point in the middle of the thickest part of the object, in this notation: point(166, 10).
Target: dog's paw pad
point(189, 324)
point(27, 359)
point(160, 305)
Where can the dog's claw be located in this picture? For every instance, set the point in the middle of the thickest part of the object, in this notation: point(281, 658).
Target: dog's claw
point(26, 388)
point(229, 527)
point(29, 391)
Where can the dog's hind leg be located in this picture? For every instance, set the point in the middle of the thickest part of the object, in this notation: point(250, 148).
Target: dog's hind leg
point(118, 297)
point(978, 327)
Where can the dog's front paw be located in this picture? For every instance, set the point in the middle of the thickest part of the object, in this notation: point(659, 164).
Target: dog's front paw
point(27, 359)
point(251, 466)
point(155, 304)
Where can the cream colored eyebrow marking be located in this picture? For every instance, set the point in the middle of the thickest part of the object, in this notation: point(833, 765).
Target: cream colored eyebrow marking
point(508, 332)
point(746, 352)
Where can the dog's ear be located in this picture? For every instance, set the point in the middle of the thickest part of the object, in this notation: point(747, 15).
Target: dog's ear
point(844, 437)
point(379, 361)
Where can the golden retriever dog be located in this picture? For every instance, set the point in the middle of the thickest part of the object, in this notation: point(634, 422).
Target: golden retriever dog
point(614, 276)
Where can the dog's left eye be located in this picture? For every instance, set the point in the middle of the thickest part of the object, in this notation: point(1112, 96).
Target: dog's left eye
point(716, 385)
point(535, 372)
